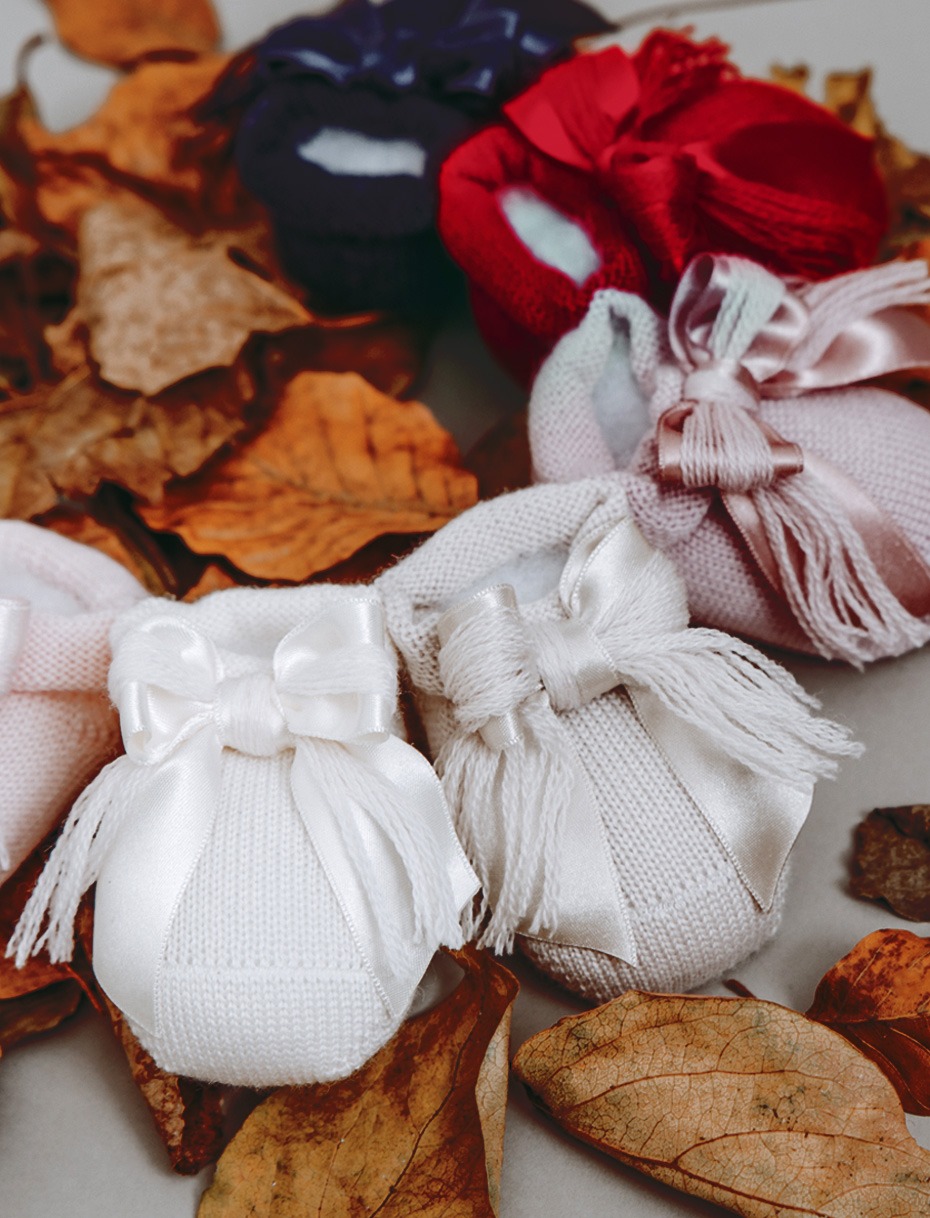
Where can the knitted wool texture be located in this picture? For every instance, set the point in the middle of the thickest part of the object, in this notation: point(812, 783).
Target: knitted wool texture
point(878, 439)
point(57, 728)
point(678, 155)
point(692, 917)
point(261, 980)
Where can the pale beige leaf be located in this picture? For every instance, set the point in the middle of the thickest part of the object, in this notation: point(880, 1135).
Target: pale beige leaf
point(738, 1101)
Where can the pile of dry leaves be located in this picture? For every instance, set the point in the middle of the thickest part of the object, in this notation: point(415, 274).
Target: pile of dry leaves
point(167, 396)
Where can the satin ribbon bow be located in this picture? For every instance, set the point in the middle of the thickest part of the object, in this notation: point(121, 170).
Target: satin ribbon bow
point(738, 335)
point(509, 677)
point(330, 697)
point(618, 117)
point(440, 47)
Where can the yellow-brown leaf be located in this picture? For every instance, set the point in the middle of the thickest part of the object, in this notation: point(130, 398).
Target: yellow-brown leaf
point(407, 1136)
point(160, 304)
point(66, 439)
point(120, 32)
point(878, 997)
point(338, 465)
point(738, 1101)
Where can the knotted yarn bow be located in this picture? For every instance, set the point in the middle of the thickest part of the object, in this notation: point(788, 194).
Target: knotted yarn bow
point(447, 48)
point(371, 805)
point(696, 159)
point(735, 727)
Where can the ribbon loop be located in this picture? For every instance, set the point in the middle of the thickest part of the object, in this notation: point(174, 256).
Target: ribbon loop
point(14, 622)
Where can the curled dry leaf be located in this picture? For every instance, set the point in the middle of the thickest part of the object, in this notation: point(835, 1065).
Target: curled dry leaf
point(878, 997)
point(120, 32)
point(188, 1115)
point(31, 1014)
point(67, 439)
point(738, 1101)
point(161, 304)
point(416, 1131)
point(338, 465)
point(891, 860)
point(144, 141)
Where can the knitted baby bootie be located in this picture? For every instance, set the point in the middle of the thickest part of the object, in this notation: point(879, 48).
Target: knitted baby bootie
point(349, 115)
point(627, 788)
point(57, 602)
point(614, 170)
point(275, 866)
point(789, 490)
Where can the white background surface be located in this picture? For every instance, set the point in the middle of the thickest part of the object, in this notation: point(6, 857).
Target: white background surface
point(76, 1139)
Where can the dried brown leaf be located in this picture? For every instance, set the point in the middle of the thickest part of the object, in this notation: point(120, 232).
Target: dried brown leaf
point(37, 1012)
point(38, 972)
point(878, 997)
point(891, 860)
point(339, 465)
point(407, 1135)
point(120, 32)
point(67, 439)
point(188, 1115)
point(738, 1101)
point(145, 140)
point(161, 305)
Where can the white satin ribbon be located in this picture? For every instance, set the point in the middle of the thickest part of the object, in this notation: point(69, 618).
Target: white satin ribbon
point(755, 818)
point(332, 678)
point(14, 622)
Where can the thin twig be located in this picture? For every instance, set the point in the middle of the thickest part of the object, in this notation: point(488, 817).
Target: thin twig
point(672, 12)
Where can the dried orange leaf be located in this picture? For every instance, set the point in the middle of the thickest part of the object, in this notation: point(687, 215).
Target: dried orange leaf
point(120, 32)
point(188, 1115)
point(65, 440)
point(338, 465)
point(738, 1101)
point(878, 997)
point(160, 304)
point(405, 1135)
point(143, 141)
point(891, 860)
point(37, 1012)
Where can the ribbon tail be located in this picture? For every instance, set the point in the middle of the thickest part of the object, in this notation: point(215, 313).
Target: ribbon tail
point(148, 868)
point(529, 825)
point(755, 818)
point(388, 852)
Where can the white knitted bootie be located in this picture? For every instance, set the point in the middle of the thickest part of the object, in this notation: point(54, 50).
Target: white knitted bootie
point(58, 599)
point(275, 866)
point(627, 788)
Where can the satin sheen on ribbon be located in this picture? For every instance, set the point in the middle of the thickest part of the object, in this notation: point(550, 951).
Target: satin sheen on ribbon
point(797, 350)
point(755, 818)
point(179, 710)
point(14, 622)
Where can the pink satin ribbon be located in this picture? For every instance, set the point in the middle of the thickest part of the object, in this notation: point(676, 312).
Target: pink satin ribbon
point(818, 337)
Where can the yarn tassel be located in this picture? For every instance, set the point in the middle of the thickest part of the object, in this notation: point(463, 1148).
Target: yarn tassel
point(74, 865)
point(436, 916)
point(833, 587)
point(511, 808)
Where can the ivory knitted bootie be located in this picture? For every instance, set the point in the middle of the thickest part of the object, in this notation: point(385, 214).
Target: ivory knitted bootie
point(57, 602)
point(793, 498)
point(275, 867)
point(627, 789)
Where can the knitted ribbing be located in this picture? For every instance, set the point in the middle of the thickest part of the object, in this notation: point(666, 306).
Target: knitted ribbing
point(691, 915)
point(56, 725)
point(263, 979)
